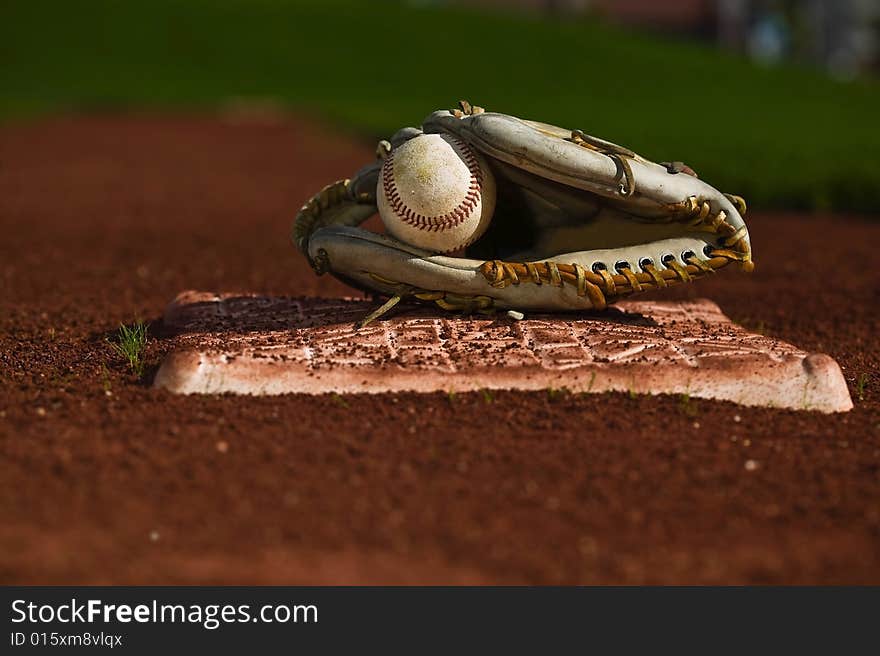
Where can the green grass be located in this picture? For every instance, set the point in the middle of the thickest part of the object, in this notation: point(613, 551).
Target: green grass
point(339, 400)
point(557, 393)
point(781, 136)
point(130, 344)
point(861, 386)
point(686, 405)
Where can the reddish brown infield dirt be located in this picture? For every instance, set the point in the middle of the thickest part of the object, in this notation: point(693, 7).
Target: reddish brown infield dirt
point(107, 218)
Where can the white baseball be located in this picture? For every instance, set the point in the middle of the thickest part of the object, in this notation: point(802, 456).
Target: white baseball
point(435, 192)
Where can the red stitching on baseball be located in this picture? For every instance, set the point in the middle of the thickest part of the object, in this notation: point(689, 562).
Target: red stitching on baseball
point(444, 221)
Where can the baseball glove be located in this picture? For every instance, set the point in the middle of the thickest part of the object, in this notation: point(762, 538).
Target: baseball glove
point(579, 222)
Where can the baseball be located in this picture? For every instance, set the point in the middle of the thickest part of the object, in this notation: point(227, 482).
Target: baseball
point(436, 193)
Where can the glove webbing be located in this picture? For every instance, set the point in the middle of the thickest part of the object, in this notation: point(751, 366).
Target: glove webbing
point(308, 215)
point(598, 285)
point(697, 213)
point(335, 204)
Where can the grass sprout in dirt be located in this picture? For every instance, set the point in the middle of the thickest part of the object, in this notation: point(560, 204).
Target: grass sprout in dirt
point(861, 385)
point(130, 344)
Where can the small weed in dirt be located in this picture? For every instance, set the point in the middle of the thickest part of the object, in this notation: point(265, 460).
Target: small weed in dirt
point(592, 380)
point(861, 386)
point(338, 400)
point(131, 341)
point(554, 393)
point(487, 396)
point(686, 406)
point(450, 396)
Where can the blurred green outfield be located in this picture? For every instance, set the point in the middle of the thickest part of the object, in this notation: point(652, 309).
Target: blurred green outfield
point(782, 137)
